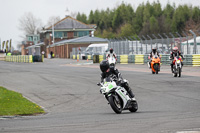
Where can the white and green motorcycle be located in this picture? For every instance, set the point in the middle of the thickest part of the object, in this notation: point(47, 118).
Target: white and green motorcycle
point(117, 96)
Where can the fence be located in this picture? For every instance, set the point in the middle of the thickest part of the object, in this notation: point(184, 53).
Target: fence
point(129, 46)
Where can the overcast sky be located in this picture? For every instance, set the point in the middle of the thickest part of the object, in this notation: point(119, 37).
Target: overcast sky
point(12, 10)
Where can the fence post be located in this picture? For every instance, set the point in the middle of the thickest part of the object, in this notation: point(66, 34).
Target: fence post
point(150, 39)
point(167, 41)
point(156, 40)
point(131, 43)
point(162, 41)
point(173, 38)
point(187, 42)
point(195, 44)
point(136, 44)
point(180, 40)
point(145, 42)
point(141, 44)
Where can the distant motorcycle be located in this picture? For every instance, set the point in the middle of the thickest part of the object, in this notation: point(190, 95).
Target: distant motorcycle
point(117, 96)
point(177, 66)
point(155, 64)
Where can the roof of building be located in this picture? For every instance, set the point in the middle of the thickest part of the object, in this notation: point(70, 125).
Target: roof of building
point(36, 45)
point(84, 39)
point(70, 23)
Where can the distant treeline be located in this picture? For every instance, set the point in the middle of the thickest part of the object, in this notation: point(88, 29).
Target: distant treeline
point(149, 18)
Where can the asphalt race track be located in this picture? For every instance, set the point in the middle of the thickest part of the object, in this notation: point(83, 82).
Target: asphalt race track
point(68, 92)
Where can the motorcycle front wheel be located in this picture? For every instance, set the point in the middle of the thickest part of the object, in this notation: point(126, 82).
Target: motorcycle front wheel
point(115, 104)
point(156, 68)
point(179, 72)
point(134, 107)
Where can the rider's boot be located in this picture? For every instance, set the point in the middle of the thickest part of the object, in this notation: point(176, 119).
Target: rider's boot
point(132, 96)
point(149, 65)
point(172, 68)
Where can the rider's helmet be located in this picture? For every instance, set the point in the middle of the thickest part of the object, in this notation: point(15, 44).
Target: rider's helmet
point(104, 66)
point(111, 50)
point(154, 50)
point(175, 49)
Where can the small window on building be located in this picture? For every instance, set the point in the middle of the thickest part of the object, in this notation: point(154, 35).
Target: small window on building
point(75, 34)
point(65, 34)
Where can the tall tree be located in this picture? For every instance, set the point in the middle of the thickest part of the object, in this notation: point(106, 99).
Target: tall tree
point(81, 17)
point(29, 24)
point(91, 18)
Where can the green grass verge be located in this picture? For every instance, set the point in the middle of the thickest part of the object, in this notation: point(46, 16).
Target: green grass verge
point(13, 103)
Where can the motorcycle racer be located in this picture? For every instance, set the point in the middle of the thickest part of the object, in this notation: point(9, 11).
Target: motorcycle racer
point(152, 54)
point(111, 53)
point(175, 52)
point(106, 72)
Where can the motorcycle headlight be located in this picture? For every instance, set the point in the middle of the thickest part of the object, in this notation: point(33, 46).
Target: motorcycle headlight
point(178, 61)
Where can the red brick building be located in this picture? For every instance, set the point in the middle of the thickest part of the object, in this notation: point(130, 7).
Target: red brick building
point(63, 48)
point(65, 29)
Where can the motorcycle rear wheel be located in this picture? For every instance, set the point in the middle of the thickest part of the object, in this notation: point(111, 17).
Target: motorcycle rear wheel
point(115, 105)
point(175, 74)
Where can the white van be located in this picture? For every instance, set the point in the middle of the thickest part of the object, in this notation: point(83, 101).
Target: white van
point(96, 49)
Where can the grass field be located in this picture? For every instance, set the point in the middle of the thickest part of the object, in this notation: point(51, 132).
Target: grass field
point(13, 103)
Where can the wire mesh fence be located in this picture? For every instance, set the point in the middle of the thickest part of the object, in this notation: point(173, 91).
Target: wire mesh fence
point(164, 45)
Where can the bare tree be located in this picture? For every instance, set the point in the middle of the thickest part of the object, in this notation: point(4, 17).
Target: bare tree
point(29, 24)
point(52, 20)
point(73, 14)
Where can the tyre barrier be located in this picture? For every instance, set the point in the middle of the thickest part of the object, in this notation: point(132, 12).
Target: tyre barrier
point(139, 59)
point(196, 60)
point(19, 58)
point(101, 57)
point(190, 60)
point(123, 59)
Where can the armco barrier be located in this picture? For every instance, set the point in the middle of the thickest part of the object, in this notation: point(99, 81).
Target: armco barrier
point(139, 59)
point(124, 59)
point(20, 58)
point(196, 60)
